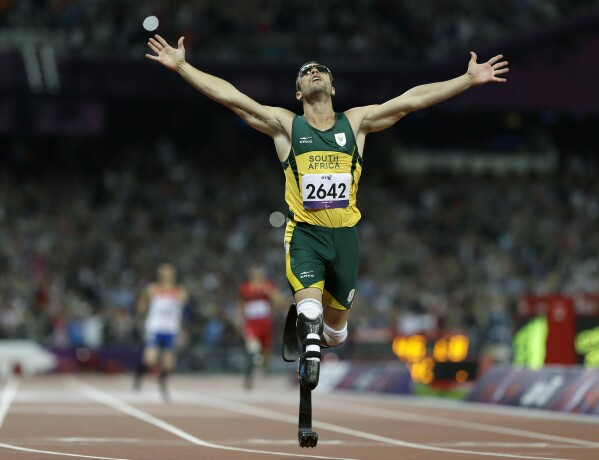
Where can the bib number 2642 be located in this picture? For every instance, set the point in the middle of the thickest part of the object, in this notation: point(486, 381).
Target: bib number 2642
point(326, 191)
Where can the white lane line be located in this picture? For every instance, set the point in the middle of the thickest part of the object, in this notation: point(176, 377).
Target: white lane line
point(80, 440)
point(104, 398)
point(345, 404)
point(241, 408)
point(9, 393)
point(472, 406)
point(351, 408)
point(291, 442)
point(398, 442)
point(510, 445)
point(49, 452)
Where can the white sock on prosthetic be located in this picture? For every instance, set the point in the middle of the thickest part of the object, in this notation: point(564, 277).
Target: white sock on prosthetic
point(310, 308)
point(332, 337)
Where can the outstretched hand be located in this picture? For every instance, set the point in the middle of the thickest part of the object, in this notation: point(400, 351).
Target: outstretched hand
point(487, 71)
point(169, 57)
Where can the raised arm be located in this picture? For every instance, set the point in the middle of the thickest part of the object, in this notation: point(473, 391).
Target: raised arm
point(269, 120)
point(374, 118)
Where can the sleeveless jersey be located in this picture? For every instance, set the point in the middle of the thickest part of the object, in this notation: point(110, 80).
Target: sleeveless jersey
point(322, 173)
point(165, 311)
point(256, 301)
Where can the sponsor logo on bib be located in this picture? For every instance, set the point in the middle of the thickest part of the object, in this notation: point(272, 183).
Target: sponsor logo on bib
point(340, 139)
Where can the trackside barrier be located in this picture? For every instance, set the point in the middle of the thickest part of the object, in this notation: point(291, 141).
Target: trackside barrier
point(571, 389)
point(24, 357)
point(391, 377)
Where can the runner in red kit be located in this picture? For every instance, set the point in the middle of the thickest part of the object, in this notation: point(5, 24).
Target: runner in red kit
point(257, 296)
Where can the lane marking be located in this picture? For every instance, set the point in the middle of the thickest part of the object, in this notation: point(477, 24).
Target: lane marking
point(291, 442)
point(8, 395)
point(511, 445)
point(348, 401)
point(49, 452)
point(477, 407)
point(475, 426)
point(253, 411)
point(79, 440)
point(120, 405)
point(100, 411)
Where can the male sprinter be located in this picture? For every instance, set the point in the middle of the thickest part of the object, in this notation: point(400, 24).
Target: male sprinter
point(321, 153)
point(163, 301)
point(257, 296)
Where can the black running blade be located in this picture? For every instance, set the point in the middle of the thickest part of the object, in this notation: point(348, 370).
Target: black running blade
point(291, 350)
point(305, 436)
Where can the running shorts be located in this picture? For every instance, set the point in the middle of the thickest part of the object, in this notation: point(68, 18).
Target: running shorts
point(260, 330)
point(162, 340)
point(324, 258)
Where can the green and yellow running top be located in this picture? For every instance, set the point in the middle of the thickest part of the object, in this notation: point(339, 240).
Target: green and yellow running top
point(322, 173)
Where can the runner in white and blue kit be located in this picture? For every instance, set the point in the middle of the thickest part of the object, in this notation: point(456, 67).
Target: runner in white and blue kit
point(162, 304)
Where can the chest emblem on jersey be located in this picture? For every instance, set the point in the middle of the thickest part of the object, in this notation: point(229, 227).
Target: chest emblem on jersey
point(340, 139)
point(305, 140)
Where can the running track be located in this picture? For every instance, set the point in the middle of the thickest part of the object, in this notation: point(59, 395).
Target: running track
point(212, 417)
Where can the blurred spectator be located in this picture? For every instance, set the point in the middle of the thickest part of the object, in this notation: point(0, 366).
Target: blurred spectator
point(83, 224)
point(439, 250)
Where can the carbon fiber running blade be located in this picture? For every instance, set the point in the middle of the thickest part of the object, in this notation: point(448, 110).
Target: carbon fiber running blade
point(305, 436)
point(291, 350)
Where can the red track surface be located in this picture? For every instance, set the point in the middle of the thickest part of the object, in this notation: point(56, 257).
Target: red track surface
point(214, 418)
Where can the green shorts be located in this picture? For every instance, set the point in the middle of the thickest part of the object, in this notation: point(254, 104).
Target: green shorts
point(324, 258)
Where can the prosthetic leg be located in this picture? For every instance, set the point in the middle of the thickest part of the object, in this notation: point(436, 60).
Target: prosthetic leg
point(290, 342)
point(304, 332)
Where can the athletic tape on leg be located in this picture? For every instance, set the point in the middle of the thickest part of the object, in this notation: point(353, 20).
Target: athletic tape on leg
point(334, 338)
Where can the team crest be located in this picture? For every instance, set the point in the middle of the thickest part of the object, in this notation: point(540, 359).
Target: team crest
point(351, 295)
point(340, 139)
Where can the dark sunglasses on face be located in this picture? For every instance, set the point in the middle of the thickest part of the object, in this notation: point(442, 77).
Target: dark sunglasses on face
point(307, 69)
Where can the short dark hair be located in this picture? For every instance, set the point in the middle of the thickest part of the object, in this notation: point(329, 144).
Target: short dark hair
point(310, 63)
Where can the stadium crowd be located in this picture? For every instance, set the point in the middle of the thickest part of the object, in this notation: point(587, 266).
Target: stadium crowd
point(375, 31)
point(80, 236)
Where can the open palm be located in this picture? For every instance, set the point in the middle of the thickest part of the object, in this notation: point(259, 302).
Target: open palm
point(486, 72)
point(166, 55)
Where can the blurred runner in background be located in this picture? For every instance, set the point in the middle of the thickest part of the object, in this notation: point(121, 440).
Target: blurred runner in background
point(162, 304)
point(257, 297)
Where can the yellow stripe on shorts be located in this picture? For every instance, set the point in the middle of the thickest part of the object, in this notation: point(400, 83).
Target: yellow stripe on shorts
point(293, 281)
point(328, 299)
point(291, 278)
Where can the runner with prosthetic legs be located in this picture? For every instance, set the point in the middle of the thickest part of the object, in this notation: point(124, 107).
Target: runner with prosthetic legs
point(322, 249)
point(321, 155)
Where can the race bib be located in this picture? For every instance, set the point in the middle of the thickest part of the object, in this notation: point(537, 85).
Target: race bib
point(257, 309)
point(326, 191)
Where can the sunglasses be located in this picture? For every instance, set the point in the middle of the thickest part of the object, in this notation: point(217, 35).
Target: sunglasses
point(308, 68)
